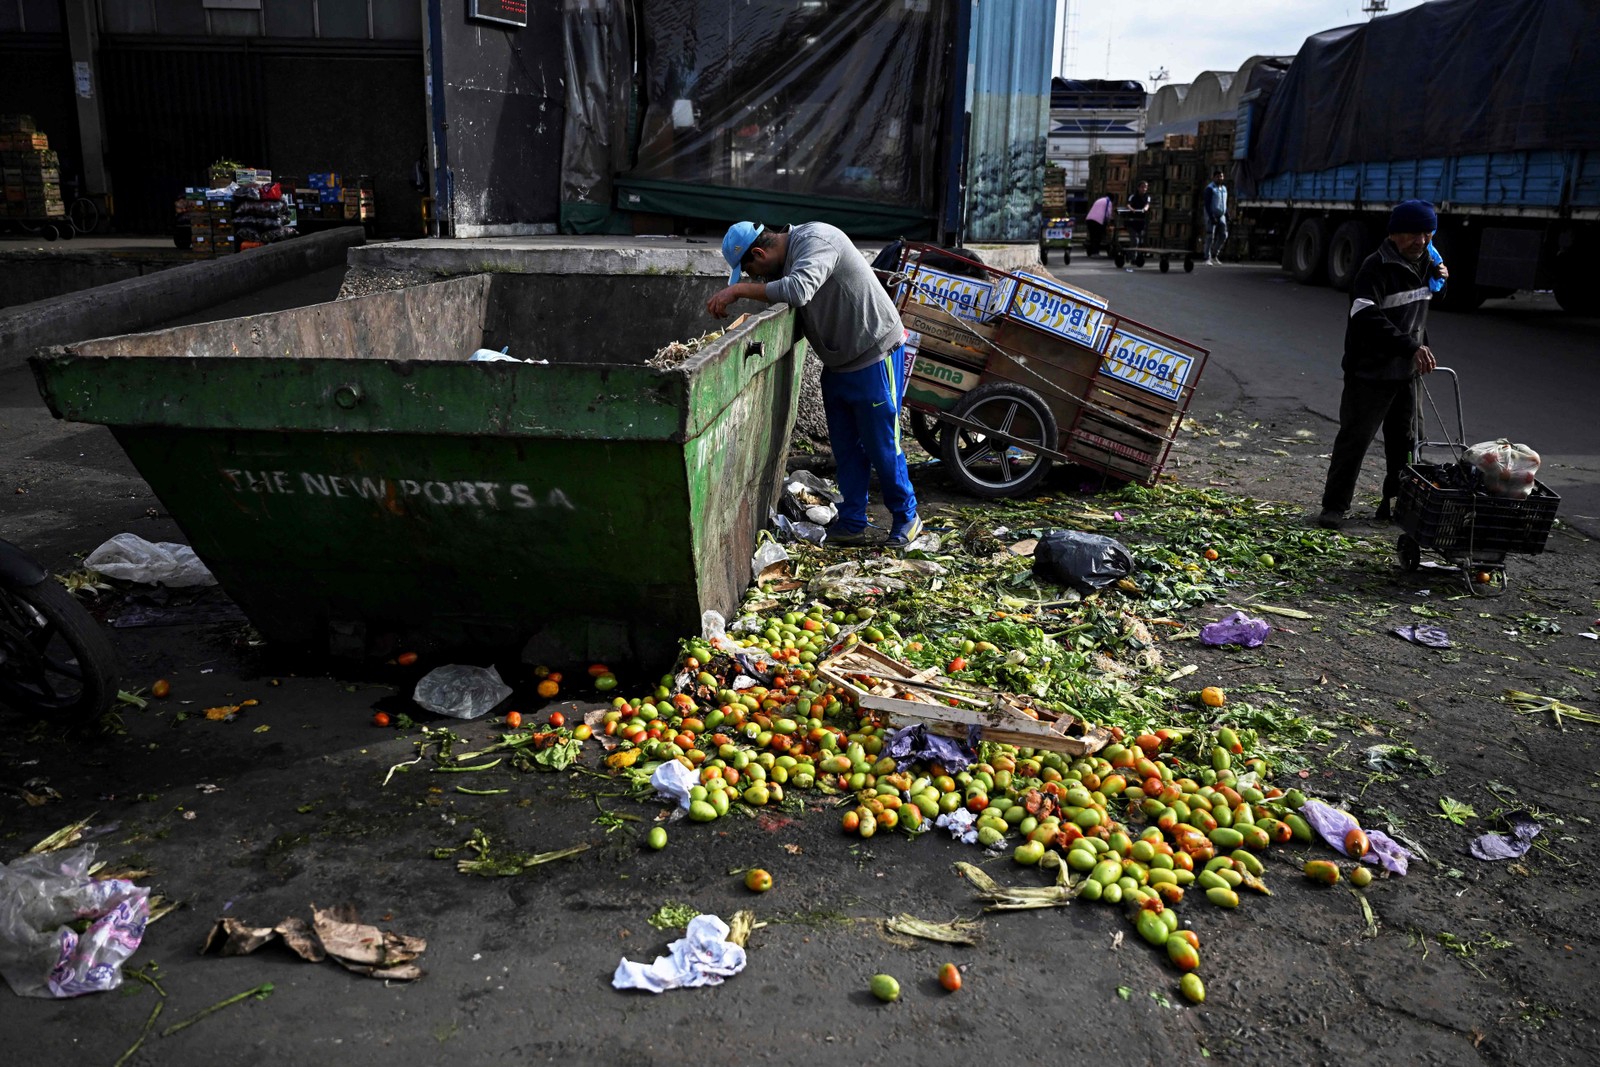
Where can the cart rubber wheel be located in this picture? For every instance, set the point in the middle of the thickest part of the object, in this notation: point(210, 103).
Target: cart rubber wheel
point(1138, 259)
point(55, 660)
point(926, 431)
point(1166, 264)
point(1117, 259)
point(49, 232)
point(1410, 552)
point(985, 468)
point(1188, 264)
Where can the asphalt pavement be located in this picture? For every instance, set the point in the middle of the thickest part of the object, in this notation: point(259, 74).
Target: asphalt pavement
point(1526, 369)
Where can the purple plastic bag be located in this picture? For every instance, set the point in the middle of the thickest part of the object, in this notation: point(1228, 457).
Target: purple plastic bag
point(1432, 636)
point(41, 955)
point(910, 744)
point(1334, 824)
point(1501, 847)
point(1236, 629)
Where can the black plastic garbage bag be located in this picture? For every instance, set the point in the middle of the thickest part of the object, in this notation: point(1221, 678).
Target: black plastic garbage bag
point(1084, 561)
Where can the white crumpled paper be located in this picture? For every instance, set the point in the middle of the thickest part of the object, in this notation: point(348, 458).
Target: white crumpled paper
point(703, 956)
point(673, 780)
point(962, 824)
point(130, 558)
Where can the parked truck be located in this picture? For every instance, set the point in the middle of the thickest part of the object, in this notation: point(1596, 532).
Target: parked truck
point(1490, 109)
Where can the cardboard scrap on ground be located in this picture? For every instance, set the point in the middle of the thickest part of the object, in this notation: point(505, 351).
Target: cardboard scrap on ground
point(334, 933)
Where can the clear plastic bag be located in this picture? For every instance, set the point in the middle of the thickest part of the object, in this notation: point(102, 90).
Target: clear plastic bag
point(130, 558)
point(42, 956)
point(1508, 469)
point(461, 692)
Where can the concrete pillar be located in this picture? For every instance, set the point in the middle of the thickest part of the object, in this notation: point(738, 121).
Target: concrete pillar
point(83, 41)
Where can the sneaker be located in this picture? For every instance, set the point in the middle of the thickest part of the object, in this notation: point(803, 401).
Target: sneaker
point(1331, 520)
point(902, 536)
point(850, 538)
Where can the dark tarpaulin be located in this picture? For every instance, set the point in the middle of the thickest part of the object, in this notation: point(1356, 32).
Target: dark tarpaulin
point(786, 102)
point(1448, 78)
point(595, 136)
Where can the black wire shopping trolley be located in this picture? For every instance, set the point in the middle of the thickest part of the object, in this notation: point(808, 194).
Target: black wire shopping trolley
point(1444, 509)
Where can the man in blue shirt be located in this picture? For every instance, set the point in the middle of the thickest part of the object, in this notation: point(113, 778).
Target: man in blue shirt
point(1216, 205)
point(855, 330)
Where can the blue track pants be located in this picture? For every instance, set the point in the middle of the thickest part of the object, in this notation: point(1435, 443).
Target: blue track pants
point(863, 410)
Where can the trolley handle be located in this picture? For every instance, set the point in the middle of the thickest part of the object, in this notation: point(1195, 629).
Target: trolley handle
point(1419, 419)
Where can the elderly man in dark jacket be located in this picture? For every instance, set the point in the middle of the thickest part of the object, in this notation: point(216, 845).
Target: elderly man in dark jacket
point(1385, 352)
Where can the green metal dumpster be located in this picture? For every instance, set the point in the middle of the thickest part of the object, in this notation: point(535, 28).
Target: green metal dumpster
point(355, 482)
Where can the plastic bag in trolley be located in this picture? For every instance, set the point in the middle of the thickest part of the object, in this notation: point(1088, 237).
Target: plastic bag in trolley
point(1508, 469)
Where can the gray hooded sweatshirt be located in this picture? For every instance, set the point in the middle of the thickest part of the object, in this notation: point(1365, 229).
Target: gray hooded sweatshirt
point(844, 310)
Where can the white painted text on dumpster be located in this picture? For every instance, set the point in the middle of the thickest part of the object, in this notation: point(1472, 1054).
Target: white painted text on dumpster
point(458, 493)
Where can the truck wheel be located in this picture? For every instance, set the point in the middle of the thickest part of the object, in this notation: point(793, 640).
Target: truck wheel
point(1345, 252)
point(987, 468)
point(1308, 252)
point(1066, 257)
point(1575, 281)
point(1044, 256)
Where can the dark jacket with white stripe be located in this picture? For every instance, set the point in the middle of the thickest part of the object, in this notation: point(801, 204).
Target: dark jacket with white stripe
point(1388, 316)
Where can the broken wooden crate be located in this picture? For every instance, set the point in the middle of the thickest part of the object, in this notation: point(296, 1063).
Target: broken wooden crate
point(910, 695)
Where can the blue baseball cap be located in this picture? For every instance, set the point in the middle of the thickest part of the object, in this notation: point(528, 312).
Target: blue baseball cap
point(736, 242)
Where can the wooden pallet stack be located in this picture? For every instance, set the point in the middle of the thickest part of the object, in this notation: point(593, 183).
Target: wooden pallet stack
point(1054, 201)
point(1110, 173)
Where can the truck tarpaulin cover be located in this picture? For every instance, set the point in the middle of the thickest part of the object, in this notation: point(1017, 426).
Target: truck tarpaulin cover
point(797, 101)
point(1449, 78)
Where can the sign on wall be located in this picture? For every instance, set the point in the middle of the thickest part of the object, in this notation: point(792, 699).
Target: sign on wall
point(503, 12)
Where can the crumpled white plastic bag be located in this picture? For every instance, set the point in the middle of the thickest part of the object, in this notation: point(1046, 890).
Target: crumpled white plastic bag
point(460, 691)
point(130, 558)
point(703, 956)
point(41, 956)
point(672, 779)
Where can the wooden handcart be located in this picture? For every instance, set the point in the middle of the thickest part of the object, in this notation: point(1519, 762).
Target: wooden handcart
point(1015, 372)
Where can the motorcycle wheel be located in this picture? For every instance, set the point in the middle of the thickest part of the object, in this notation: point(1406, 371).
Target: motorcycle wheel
point(55, 660)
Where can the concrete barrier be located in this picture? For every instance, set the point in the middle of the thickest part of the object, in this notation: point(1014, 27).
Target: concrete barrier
point(134, 304)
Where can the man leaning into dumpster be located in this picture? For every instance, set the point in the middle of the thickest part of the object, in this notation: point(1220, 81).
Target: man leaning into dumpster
point(1385, 352)
point(851, 323)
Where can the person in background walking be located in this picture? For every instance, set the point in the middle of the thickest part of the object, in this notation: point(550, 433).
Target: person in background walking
point(853, 327)
point(1101, 216)
point(1385, 352)
point(1216, 204)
